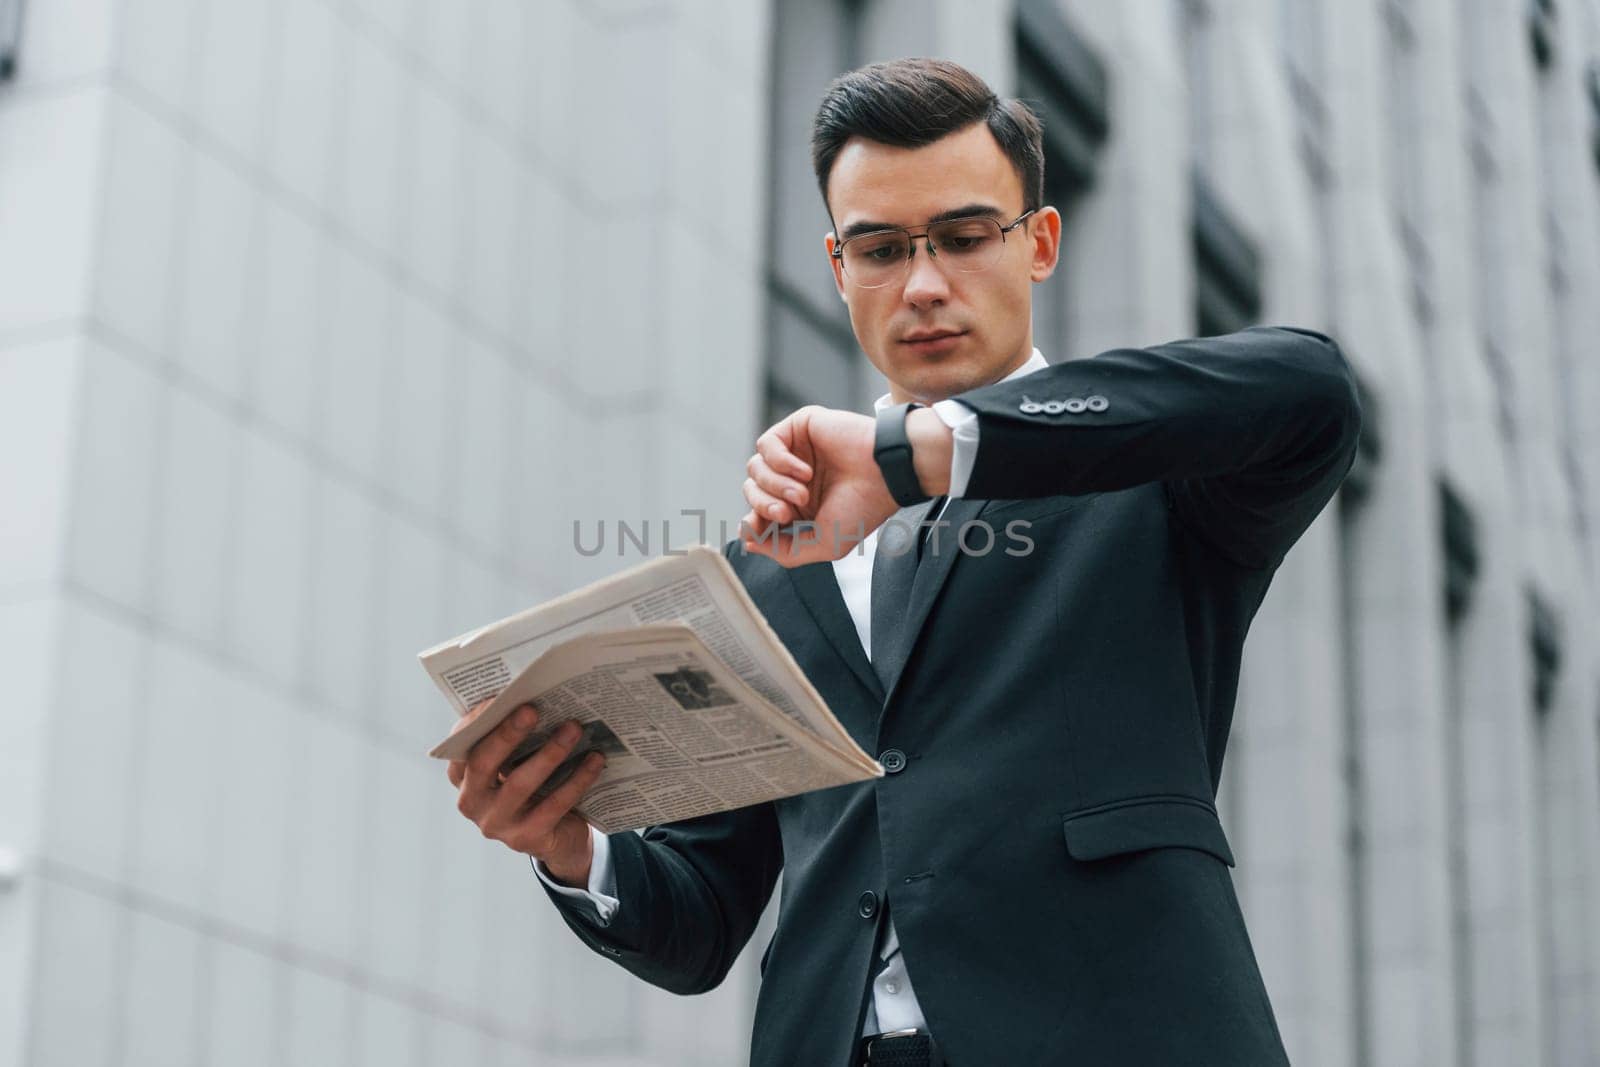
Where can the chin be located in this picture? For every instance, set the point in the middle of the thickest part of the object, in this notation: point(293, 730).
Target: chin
point(938, 382)
point(930, 378)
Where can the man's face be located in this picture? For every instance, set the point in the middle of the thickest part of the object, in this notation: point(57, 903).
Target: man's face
point(989, 312)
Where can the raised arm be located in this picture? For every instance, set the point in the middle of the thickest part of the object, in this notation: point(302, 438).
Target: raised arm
point(1251, 432)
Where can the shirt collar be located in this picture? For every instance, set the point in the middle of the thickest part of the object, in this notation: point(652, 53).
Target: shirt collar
point(1034, 362)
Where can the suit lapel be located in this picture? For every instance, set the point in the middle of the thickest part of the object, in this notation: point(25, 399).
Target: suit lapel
point(819, 591)
point(931, 575)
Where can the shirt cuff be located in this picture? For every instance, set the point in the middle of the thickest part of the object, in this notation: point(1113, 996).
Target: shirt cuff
point(602, 888)
point(963, 423)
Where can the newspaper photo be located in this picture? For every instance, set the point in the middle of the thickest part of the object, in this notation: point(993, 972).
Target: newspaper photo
point(674, 675)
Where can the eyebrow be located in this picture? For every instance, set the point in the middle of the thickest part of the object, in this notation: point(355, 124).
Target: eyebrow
point(856, 229)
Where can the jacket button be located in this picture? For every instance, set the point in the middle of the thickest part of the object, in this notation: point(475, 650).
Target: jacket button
point(1075, 406)
point(893, 760)
point(868, 904)
point(1098, 403)
point(1030, 407)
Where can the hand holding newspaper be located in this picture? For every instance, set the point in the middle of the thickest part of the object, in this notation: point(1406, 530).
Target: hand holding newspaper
point(674, 675)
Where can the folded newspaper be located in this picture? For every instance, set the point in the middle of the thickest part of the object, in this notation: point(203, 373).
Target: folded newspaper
point(674, 674)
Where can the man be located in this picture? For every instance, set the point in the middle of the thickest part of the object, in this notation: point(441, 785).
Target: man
point(1040, 876)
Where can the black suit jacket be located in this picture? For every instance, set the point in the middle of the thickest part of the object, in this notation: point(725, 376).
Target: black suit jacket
point(1051, 852)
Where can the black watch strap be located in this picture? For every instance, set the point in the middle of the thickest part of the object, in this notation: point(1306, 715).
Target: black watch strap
point(891, 447)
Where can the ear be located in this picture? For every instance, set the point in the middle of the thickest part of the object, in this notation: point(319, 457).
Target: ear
point(1044, 230)
point(828, 242)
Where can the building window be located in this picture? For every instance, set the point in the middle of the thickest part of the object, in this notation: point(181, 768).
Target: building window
point(1591, 81)
point(1302, 66)
point(1544, 644)
point(1505, 385)
point(1405, 129)
point(1227, 265)
point(1542, 32)
point(1063, 81)
point(812, 356)
point(1357, 485)
point(1481, 136)
point(10, 36)
point(1458, 528)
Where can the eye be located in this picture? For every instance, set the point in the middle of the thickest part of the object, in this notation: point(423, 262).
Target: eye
point(885, 249)
point(967, 236)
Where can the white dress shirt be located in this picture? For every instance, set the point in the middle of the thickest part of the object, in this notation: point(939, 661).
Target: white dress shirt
point(894, 1005)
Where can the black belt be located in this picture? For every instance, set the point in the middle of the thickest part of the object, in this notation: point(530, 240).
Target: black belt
point(899, 1048)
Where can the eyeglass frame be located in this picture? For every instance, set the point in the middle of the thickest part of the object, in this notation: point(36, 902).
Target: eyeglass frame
point(837, 252)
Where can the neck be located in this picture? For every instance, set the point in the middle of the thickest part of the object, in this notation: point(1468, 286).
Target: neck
point(899, 394)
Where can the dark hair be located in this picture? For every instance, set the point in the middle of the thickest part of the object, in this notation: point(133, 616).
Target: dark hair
point(909, 103)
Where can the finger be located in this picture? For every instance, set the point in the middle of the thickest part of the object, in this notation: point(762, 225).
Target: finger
point(483, 762)
point(784, 445)
point(774, 483)
point(791, 546)
point(780, 546)
point(540, 823)
point(753, 536)
point(528, 776)
point(773, 447)
point(472, 713)
point(775, 546)
point(764, 503)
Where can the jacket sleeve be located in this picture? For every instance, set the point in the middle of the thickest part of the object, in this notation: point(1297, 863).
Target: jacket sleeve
point(1250, 433)
point(690, 894)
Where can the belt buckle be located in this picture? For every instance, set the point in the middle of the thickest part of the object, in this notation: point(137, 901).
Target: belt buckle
point(875, 1038)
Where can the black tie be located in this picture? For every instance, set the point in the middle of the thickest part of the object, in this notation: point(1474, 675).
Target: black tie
point(894, 568)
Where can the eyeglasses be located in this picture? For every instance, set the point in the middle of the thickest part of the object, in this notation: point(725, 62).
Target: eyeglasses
point(883, 257)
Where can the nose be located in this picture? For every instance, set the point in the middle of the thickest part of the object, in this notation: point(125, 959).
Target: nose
point(926, 283)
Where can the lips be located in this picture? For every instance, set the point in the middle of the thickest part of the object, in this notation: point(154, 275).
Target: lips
point(930, 335)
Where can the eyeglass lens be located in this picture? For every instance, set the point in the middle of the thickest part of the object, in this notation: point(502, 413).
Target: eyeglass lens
point(875, 259)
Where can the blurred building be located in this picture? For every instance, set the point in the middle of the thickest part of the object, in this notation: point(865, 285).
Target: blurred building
point(321, 321)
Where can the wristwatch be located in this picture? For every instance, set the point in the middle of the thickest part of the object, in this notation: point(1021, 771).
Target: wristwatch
point(891, 447)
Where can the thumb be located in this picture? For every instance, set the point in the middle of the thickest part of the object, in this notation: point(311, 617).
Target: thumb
point(472, 713)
